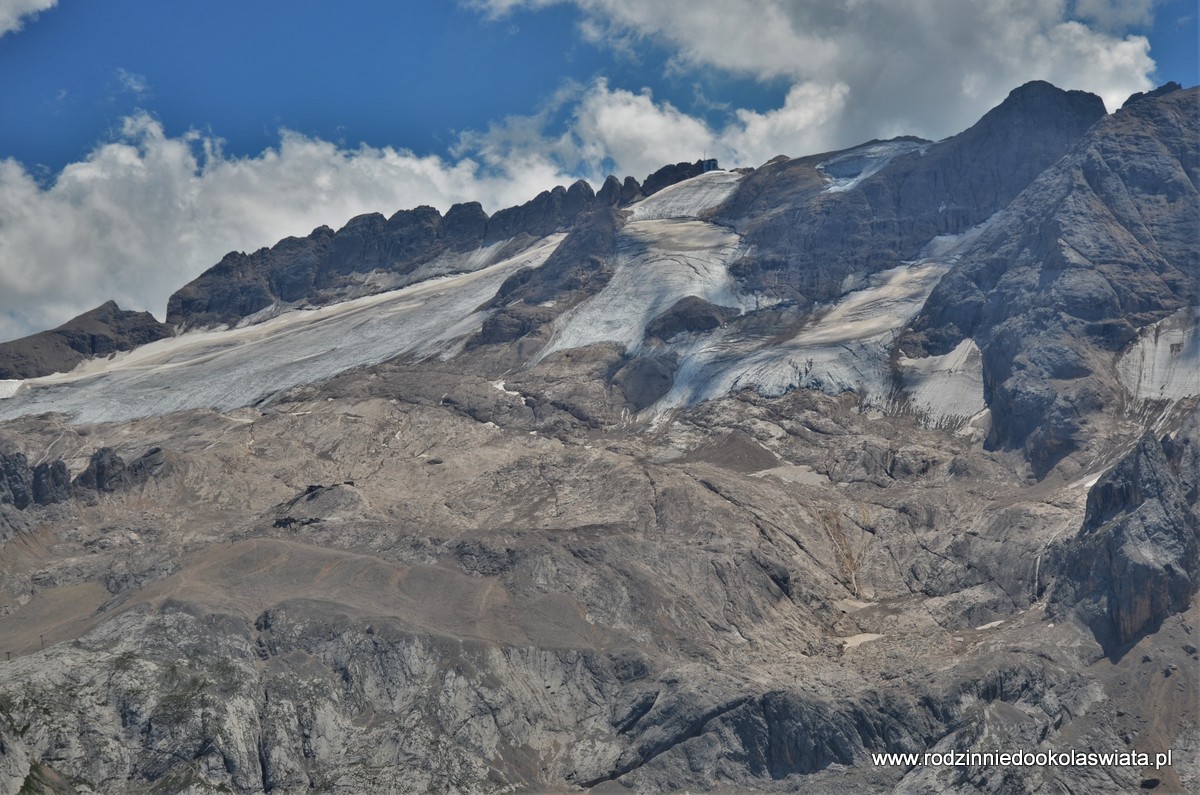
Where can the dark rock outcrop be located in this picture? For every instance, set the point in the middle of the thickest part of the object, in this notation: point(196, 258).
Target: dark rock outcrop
point(99, 332)
point(689, 314)
point(1136, 559)
point(22, 486)
point(646, 379)
point(51, 483)
point(581, 264)
point(668, 175)
point(108, 472)
point(16, 480)
point(548, 212)
point(105, 472)
point(513, 322)
point(1165, 88)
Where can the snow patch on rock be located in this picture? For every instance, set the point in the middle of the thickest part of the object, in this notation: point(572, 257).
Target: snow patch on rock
point(1164, 363)
point(688, 199)
point(847, 170)
point(947, 386)
point(9, 387)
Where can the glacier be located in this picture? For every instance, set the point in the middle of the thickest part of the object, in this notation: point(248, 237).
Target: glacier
point(690, 198)
point(231, 368)
point(664, 253)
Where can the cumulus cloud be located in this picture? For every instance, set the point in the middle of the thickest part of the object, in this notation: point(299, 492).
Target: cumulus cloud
point(144, 214)
point(1116, 15)
point(622, 132)
point(926, 68)
point(13, 13)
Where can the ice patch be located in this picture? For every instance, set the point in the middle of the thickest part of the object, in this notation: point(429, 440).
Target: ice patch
point(238, 367)
point(860, 639)
point(1164, 363)
point(948, 246)
point(947, 386)
point(794, 473)
point(847, 170)
point(688, 199)
point(658, 263)
point(9, 387)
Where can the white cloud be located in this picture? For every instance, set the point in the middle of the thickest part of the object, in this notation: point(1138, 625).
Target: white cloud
point(1116, 15)
point(805, 124)
point(13, 13)
point(927, 67)
point(141, 216)
point(634, 132)
point(132, 82)
point(613, 130)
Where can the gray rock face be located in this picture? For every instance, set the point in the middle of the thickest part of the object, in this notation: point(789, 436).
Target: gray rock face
point(1136, 559)
point(806, 240)
point(764, 593)
point(580, 266)
point(16, 480)
point(1101, 244)
point(51, 483)
point(668, 175)
point(107, 471)
point(99, 332)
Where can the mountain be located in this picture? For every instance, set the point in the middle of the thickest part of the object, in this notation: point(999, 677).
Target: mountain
point(724, 480)
point(102, 331)
point(1099, 247)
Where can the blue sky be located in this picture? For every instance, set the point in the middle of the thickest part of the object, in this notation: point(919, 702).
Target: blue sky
point(141, 139)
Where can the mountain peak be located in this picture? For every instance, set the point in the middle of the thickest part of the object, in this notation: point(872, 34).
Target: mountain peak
point(1165, 88)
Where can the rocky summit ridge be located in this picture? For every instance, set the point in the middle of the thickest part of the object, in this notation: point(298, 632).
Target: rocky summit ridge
point(724, 480)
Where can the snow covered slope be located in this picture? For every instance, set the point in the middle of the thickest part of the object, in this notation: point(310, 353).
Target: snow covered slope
point(658, 263)
point(845, 348)
point(664, 253)
point(238, 367)
point(947, 387)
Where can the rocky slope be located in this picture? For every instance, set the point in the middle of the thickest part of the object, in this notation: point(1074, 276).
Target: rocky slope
point(708, 486)
point(100, 332)
point(1100, 245)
